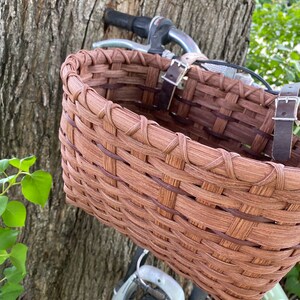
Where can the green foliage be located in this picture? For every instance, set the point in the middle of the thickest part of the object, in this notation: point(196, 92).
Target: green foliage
point(11, 291)
point(274, 41)
point(14, 214)
point(3, 204)
point(8, 238)
point(35, 187)
point(282, 2)
point(292, 282)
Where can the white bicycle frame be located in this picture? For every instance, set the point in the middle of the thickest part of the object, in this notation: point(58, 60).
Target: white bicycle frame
point(277, 293)
point(152, 275)
point(172, 290)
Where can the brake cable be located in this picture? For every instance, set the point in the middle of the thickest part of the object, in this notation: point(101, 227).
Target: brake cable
point(244, 69)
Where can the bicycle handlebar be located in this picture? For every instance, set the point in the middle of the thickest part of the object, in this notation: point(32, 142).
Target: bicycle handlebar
point(137, 25)
point(159, 31)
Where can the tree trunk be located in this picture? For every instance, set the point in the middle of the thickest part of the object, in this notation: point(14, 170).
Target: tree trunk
point(71, 255)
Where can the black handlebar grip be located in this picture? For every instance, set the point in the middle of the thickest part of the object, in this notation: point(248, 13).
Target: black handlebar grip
point(138, 25)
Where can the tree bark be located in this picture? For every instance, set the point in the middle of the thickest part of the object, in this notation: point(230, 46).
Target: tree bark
point(71, 255)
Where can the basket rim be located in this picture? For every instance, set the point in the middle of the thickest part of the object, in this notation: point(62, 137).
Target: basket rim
point(146, 131)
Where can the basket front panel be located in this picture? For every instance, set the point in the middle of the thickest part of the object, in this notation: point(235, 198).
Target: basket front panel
point(228, 223)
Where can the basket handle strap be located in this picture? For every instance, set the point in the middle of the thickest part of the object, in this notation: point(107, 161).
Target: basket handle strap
point(174, 75)
point(286, 108)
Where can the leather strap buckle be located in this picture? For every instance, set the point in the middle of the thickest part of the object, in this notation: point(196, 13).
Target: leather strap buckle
point(172, 78)
point(285, 110)
point(174, 75)
point(176, 72)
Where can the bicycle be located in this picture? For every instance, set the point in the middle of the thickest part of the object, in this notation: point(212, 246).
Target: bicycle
point(159, 32)
point(157, 285)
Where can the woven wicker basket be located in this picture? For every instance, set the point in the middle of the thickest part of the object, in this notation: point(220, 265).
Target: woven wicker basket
point(194, 185)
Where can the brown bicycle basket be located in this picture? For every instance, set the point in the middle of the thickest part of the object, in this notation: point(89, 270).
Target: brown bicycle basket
point(196, 184)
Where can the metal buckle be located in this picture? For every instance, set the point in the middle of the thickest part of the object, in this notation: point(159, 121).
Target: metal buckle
point(175, 80)
point(286, 115)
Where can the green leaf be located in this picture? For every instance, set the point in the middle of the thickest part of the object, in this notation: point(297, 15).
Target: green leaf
point(13, 275)
point(294, 272)
point(277, 72)
point(295, 55)
point(283, 48)
point(292, 285)
point(15, 162)
point(11, 291)
point(290, 75)
point(18, 257)
point(23, 164)
point(4, 163)
point(277, 58)
point(297, 65)
point(8, 179)
point(8, 238)
point(3, 204)
point(3, 256)
point(15, 214)
point(36, 187)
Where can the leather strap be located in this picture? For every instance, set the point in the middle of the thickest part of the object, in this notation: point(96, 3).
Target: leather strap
point(286, 108)
point(177, 70)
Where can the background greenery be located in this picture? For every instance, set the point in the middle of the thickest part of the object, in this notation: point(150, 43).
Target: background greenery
point(275, 41)
point(35, 187)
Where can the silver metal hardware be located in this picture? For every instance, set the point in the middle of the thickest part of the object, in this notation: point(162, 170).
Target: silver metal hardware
point(183, 69)
point(121, 43)
point(291, 116)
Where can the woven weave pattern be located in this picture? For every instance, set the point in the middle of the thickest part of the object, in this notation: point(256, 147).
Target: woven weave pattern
point(194, 185)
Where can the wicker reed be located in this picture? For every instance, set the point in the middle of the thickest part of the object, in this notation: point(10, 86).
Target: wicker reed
point(195, 185)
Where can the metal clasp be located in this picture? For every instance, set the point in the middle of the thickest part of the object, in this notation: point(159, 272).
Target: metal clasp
point(176, 72)
point(285, 110)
